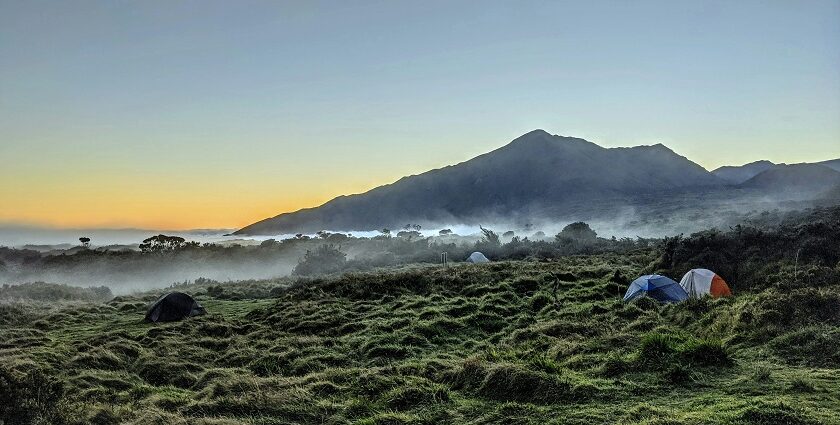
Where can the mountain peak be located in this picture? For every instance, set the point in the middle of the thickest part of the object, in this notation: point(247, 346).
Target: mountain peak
point(536, 174)
point(536, 132)
point(533, 135)
point(540, 137)
point(658, 147)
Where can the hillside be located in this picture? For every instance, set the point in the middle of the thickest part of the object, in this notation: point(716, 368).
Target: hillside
point(508, 342)
point(535, 174)
point(834, 164)
point(742, 173)
point(794, 177)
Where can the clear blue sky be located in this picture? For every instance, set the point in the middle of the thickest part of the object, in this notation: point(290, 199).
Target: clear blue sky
point(274, 106)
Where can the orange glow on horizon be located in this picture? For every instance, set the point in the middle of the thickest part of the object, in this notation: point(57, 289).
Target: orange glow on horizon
point(183, 205)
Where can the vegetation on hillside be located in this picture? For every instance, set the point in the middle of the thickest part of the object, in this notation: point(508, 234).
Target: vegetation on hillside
point(546, 341)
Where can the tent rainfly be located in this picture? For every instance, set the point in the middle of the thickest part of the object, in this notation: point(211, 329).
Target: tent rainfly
point(174, 306)
point(700, 282)
point(658, 287)
point(477, 257)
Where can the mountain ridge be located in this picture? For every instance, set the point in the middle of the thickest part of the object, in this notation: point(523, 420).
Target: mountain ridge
point(799, 177)
point(535, 172)
point(738, 174)
point(543, 175)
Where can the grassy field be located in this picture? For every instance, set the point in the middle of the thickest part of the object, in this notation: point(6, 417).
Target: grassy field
point(503, 342)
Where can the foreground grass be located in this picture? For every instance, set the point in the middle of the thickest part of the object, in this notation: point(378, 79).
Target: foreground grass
point(427, 345)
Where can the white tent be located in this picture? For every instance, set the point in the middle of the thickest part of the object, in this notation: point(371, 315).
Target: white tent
point(700, 282)
point(477, 257)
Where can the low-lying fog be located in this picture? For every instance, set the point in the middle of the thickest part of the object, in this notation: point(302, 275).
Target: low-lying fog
point(128, 272)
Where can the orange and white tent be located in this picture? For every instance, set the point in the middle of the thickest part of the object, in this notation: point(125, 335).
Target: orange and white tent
point(700, 282)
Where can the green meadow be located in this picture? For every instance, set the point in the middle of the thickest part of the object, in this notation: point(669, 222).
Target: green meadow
point(509, 342)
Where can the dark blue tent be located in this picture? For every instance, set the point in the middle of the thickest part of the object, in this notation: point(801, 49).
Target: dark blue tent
point(657, 287)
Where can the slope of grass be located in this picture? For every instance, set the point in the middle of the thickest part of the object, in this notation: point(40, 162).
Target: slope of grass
point(475, 344)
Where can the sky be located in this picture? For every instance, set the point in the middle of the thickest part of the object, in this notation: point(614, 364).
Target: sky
point(215, 114)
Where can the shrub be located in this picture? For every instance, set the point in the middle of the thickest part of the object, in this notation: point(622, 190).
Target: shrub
point(578, 231)
point(323, 260)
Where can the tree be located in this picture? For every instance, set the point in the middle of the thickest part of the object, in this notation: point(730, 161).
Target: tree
point(445, 232)
point(324, 259)
point(85, 241)
point(578, 231)
point(508, 234)
point(162, 243)
point(385, 232)
point(268, 243)
point(417, 227)
point(409, 234)
point(490, 237)
point(337, 237)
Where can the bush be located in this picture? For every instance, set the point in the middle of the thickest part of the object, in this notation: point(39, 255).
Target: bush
point(323, 260)
point(578, 231)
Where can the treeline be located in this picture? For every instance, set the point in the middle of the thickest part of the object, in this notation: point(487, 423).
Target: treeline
point(803, 242)
point(162, 260)
point(795, 250)
point(575, 239)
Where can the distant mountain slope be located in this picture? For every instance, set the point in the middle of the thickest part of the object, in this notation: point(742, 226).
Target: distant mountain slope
point(536, 172)
point(834, 164)
point(799, 177)
point(739, 174)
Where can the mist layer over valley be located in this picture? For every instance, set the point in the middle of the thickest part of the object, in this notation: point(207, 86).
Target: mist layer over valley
point(126, 268)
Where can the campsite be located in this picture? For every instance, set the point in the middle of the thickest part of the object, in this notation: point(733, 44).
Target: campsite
point(367, 212)
point(507, 341)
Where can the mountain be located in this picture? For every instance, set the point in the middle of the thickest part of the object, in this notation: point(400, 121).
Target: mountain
point(794, 177)
point(537, 173)
point(742, 173)
point(737, 174)
point(834, 164)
